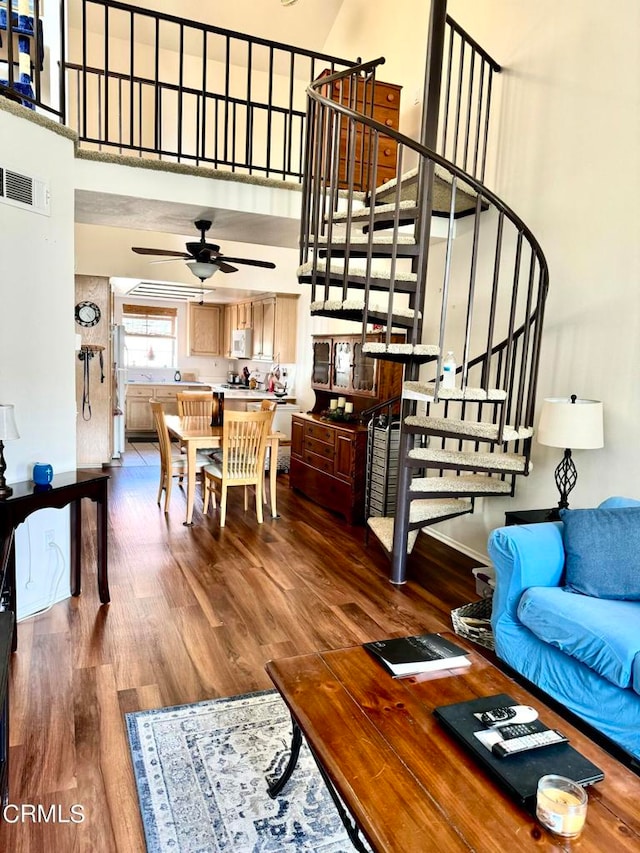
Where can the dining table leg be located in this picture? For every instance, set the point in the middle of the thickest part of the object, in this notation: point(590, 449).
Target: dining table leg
point(191, 480)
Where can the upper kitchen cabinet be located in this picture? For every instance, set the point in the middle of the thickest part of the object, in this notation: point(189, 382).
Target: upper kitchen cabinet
point(275, 320)
point(244, 315)
point(205, 329)
point(230, 323)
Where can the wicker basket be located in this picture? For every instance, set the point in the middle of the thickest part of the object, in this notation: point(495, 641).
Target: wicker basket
point(464, 622)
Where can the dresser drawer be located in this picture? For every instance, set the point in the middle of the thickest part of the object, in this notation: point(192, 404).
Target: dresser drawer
point(321, 448)
point(320, 432)
point(320, 463)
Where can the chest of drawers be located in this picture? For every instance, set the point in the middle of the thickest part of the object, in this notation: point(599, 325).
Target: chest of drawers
point(328, 463)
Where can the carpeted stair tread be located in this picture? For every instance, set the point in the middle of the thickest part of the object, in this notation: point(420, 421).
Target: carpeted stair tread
point(338, 305)
point(466, 196)
point(426, 390)
point(336, 268)
point(465, 484)
point(465, 429)
point(402, 351)
point(466, 459)
point(364, 213)
point(425, 511)
point(358, 238)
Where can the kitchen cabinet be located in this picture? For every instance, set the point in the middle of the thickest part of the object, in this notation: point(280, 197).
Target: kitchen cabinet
point(230, 323)
point(264, 315)
point(328, 464)
point(138, 416)
point(244, 315)
point(275, 320)
point(205, 329)
point(382, 103)
point(340, 367)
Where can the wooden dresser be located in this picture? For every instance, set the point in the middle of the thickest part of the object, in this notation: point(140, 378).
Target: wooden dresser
point(382, 103)
point(328, 462)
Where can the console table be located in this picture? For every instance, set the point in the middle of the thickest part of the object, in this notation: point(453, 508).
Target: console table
point(27, 498)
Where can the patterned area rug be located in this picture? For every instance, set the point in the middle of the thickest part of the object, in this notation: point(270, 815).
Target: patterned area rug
point(201, 775)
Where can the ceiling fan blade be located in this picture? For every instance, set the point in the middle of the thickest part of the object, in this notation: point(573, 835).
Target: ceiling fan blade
point(266, 264)
point(168, 252)
point(170, 260)
point(226, 267)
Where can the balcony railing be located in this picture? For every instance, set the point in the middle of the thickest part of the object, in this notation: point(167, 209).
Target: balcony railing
point(157, 86)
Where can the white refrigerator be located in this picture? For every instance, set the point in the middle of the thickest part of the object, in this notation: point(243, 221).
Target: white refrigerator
point(119, 380)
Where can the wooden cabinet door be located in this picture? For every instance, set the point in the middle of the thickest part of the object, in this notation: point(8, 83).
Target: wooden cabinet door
point(256, 337)
point(342, 365)
point(297, 437)
point(245, 320)
point(138, 415)
point(344, 458)
point(268, 328)
point(321, 370)
point(205, 329)
point(230, 323)
point(365, 371)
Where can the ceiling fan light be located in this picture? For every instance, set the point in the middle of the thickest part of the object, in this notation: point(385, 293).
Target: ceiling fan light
point(202, 269)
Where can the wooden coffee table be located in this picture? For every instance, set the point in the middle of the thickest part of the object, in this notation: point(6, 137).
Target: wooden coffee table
point(409, 785)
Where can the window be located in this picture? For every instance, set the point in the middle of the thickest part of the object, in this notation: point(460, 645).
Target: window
point(150, 336)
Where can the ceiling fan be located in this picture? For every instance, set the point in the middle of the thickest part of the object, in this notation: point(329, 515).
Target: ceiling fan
point(203, 259)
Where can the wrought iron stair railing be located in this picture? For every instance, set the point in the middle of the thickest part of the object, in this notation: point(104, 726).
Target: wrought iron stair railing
point(480, 292)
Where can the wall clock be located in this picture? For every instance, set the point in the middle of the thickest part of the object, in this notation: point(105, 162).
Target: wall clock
point(87, 313)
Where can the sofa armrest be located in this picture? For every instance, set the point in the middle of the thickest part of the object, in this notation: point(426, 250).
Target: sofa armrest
point(524, 555)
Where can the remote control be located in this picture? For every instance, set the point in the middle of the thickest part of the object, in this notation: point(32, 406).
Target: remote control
point(517, 730)
point(508, 714)
point(505, 748)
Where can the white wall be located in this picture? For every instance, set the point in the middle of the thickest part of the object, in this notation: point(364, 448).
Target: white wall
point(37, 368)
point(565, 158)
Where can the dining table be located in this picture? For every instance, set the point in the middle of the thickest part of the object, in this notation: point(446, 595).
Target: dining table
point(196, 433)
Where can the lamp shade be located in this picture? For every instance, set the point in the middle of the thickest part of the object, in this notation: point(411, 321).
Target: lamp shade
point(202, 269)
point(8, 428)
point(570, 422)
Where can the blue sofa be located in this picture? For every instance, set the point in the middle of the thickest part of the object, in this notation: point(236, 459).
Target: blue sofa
point(582, 650)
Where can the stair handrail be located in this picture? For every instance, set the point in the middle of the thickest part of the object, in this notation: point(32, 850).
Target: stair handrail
point(458, 177)
point(477, 186)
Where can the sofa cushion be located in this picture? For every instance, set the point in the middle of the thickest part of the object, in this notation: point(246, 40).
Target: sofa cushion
point(603, 634)
point(602, 551)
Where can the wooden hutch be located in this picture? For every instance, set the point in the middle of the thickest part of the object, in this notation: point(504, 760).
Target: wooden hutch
point(328, 457)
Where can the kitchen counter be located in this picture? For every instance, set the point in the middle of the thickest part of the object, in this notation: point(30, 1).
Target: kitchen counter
point(237, 392)
point(169, 383)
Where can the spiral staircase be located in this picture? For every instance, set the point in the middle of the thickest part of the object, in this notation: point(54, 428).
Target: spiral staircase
point(437, 255)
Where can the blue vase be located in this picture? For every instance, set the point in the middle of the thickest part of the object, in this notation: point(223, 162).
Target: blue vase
point(42, 473)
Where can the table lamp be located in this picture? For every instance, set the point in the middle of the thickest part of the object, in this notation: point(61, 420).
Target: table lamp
point(570, 423)
point(8, 431)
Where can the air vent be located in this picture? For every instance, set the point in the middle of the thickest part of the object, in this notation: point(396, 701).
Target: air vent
point(24, 191)
point(165, 290)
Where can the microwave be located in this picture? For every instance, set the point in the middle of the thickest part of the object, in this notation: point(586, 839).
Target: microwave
point(241, 343)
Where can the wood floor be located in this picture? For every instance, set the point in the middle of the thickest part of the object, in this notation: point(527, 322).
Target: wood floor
point(195, 613)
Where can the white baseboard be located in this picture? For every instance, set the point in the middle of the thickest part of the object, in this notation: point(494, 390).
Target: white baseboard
point(482, 559)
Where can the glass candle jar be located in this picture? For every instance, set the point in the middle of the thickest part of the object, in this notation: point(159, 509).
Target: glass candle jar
point(561, 805)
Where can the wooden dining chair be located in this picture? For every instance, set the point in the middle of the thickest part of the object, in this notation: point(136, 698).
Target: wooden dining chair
point(244, 443)
point(170, 466)
point(268, 406)
point(195, 403)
